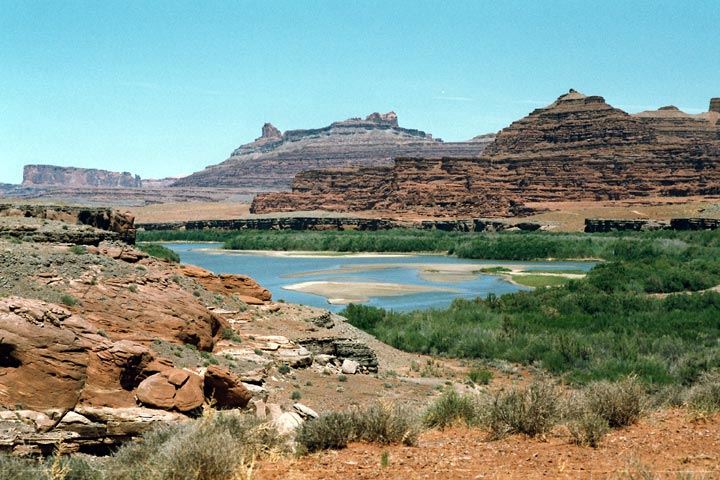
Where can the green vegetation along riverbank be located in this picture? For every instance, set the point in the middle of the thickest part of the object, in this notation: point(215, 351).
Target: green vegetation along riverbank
point(651, 309)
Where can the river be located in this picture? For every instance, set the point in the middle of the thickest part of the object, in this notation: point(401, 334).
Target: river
point(393, 281)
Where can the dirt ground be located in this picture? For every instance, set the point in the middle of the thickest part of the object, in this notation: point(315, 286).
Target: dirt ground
point(667, 444)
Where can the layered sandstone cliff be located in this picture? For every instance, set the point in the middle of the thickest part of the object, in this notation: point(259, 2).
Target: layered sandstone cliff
point(577, 148)
point(52, 175)
point(272, 160)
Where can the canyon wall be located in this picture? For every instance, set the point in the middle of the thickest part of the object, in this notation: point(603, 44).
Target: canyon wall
point(577, 148)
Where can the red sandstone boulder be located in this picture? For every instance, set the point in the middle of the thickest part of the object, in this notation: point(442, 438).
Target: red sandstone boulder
point(172, 389)
point(225, 388)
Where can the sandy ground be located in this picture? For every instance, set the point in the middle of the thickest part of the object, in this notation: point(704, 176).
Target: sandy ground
point(343, 293)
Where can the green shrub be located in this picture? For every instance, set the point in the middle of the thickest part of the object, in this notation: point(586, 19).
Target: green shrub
point(159, 251)
point(619, 403)
point(78, 249)
point(295, 395)
point(342, 378)
point(480, 376)
point(68, 300)
point(452, 408)
point(284, 369)
point(533, 410)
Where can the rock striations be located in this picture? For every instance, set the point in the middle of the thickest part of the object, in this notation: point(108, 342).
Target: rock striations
point(51, 175)
point(272, 160)
point(577, 148)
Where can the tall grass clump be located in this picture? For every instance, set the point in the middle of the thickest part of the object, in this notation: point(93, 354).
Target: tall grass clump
point(452, 408)
point(533, 410)
point(216, 446)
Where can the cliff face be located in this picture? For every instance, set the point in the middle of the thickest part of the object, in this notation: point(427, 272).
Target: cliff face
point(51, 175)
point(272, 160)
point(577, 148)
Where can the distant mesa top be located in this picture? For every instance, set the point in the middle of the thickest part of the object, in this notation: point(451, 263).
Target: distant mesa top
point(271, 161)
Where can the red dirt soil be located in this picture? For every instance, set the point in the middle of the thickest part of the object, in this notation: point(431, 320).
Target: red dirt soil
point(665, 444)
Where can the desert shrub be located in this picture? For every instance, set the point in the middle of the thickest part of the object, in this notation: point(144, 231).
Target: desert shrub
point(386, 423)
point(216, 446)
point(619, 403)
point(533, 410)
point(295, 395)
point(704, 396)
point(159, 251)
point(58, 466)
point(481, 376)
point(78, 249)
point(68, 300)
point(451, 408)
point(588, 428)
point(332, 430)
point(379, 423)
point(284, 369)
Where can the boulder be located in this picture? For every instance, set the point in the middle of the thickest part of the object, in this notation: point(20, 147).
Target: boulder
point(349, 367)
point(225, 388)
point(172, 389)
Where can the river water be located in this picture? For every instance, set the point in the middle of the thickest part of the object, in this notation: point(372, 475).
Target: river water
point(276, 271)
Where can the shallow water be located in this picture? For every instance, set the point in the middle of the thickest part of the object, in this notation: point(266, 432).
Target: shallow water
point(275, 271)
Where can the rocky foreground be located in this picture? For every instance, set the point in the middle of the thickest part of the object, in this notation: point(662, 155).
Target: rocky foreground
point(99, 343)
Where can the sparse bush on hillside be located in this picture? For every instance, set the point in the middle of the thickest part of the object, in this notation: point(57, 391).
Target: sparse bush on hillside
point(213, 447)
point(704, 396)
point(533, 410)
point(452, 408)
point(619, 403)
point(382, 423)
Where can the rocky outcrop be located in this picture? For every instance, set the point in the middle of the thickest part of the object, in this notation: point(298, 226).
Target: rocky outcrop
point(226, 283)
point(51, 175)
point(342, 223)
point(272, 160)
point(116, 225)
point(172, 389)
point(343, 349)
point(604, 225)
point(577, 148)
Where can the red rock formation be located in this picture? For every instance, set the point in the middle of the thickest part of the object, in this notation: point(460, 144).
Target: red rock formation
point(226, 283)
point(52, 175)
point(270, 162)
point(577, 148)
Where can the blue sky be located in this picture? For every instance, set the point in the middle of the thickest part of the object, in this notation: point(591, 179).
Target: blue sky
point(160, 88)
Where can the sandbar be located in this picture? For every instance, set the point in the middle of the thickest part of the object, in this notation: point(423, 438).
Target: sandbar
point(341, 293)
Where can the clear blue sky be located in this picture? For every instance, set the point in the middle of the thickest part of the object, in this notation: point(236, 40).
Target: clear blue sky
point(161, 88)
